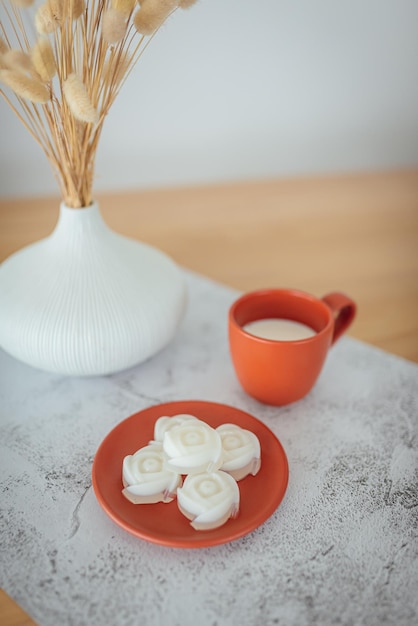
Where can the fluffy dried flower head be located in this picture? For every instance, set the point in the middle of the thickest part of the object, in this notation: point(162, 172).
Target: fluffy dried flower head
point(44, 20)
point(24, 86)
point(63, 9)
point(185, 4)
point(43, 59)
point(3, 46)
point(152, 13)
point(78, 100)
point(114, 26)
point(57, 9)
point(76, 8)
point(116, 69)
point(17, 60)
point(124, 6)
point(23, 3)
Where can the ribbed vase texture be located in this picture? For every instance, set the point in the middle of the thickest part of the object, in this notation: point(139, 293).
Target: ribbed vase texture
point(86, 301)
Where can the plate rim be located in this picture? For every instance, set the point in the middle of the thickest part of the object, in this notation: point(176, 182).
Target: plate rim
point(203, 539)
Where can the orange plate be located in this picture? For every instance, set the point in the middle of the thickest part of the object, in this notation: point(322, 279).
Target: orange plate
point(163, 523)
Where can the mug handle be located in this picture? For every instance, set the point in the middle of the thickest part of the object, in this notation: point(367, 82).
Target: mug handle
point(344, 311)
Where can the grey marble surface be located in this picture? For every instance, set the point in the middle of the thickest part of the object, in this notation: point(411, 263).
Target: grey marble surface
point(341, 549)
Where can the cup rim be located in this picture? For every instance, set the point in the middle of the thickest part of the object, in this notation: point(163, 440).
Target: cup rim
point(289, 291)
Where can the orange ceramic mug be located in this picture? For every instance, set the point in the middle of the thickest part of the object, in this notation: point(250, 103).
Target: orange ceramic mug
point(281, 371)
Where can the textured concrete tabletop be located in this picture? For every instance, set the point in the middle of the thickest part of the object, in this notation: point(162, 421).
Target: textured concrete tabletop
point(342, 548)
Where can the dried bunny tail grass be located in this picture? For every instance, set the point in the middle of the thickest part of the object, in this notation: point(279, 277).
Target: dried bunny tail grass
point(114, 26)
point(43, 59)
point(76, 8)
point(44, 19)
point(25, 87)
point(57, 9)
point(17, 60)
point(124, 6)
point(185, 4)
point(78, 100)
point(116, 69)
point(3, 46)
point(152, 13)
point(62, 9)
point(22, 4)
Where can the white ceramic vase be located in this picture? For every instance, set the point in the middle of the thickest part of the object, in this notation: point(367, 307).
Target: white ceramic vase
point(87, 301)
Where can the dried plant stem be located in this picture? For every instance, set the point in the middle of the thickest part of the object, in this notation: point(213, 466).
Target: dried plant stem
point(18, 18)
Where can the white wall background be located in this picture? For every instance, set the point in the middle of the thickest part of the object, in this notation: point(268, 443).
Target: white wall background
point(234, 89)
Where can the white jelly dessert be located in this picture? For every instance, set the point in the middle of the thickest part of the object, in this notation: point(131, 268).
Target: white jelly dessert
point(145, 477)
point(192, 447)
point(164, 423)
point(213, 460)
point(241, 451)
point(208, 499)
